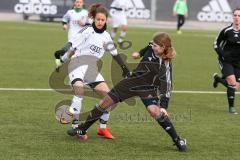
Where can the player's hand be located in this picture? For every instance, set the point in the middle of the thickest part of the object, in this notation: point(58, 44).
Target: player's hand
point(65, 27)
point(135, 55)
point(125, 72)
point(163, 111)
point(81, 23)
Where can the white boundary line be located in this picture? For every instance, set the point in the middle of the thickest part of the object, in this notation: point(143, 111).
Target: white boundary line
point(51, 90)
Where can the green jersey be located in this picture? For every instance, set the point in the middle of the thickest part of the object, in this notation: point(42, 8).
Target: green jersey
point(180, 7)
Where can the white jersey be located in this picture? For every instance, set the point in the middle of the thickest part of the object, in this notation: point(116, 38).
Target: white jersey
point(88, 42)
point(119, 16)
point(121, 4)
point(72, 18)
point(89, 47)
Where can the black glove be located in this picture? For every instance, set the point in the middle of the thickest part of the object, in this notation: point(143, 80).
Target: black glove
point(125, 72)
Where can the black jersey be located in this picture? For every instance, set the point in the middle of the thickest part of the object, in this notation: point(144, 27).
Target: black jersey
point(151, 78)
point(160, 73)
point(227, 45)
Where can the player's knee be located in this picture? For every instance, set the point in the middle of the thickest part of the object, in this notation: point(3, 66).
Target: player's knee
point(106, 102)
point(78, 88)
point(153, 111)
point(231, 88)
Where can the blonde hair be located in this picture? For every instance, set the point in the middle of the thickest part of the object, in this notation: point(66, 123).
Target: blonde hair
point(163, 39)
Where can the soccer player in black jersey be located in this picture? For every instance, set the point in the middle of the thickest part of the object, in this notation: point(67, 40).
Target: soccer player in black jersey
point(151, 78)
point(227, 46)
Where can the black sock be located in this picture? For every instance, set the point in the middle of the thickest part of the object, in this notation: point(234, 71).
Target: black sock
point(223, 81)
point(231, 95)
point(93, 116)
point(168, 127)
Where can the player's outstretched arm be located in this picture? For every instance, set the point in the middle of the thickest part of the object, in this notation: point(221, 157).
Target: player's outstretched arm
point(123, 66)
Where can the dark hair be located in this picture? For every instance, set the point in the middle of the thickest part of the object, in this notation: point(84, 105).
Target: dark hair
point(236, 9)
point(96, 8)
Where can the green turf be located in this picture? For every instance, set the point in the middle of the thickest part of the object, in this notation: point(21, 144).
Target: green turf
point(29, 130)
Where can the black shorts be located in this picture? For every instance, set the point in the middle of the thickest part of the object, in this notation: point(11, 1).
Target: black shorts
point(228, 69)
point(150, 101)
point(130, 87)
point(162, 102)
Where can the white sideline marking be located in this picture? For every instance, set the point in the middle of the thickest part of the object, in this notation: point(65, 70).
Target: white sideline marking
point(51, 90)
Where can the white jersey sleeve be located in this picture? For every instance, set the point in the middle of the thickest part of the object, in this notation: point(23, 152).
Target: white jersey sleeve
point(81, 37)
point(109, 46)
point(66, 17)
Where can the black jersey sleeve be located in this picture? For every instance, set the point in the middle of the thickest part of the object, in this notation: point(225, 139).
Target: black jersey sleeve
point(144, 50)
point(220, 39)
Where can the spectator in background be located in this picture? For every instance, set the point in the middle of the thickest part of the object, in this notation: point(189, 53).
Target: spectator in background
point(119, 18)
point(180, 9)
point(73, 21)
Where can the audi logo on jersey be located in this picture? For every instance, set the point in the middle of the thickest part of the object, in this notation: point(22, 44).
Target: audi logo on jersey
point(95, 49)
point(35, 7)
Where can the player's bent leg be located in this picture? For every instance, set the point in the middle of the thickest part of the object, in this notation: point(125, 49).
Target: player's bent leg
point(231, 89)
point(122, 34)
point(102, 90)
point(160, 114)
point(113, 33)
point(217, 79)
point(76, 105)
point(103, 130)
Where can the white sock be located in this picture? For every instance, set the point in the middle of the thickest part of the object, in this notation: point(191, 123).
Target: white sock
point(75, 108)
point(105, 118)
point(113, 34)
point(121, 37)
point(65, 57)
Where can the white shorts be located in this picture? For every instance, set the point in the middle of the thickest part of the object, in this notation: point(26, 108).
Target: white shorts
point(119, 18)
point(84, 69)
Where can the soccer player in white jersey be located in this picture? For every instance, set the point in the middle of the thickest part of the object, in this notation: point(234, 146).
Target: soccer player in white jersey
point(119, 18)
point(88, 47)
point(73, 21)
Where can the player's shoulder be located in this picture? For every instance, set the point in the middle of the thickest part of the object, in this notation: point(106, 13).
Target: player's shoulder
point(70, 11)
point(107, 35)
point(228, 28)
point(84, 10)
point(86, 29)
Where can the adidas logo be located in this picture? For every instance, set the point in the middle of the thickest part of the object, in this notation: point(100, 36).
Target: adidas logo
point(136, 9)
point(35, 7)
point(216, 11)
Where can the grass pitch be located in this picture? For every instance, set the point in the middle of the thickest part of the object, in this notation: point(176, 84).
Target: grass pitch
point(29, 129)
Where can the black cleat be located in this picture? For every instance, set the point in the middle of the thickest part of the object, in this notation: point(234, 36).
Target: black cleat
point(215, 80)
point(81, 135)
point(181, 144)
point(75, 131)
point(59, 53)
